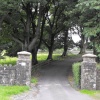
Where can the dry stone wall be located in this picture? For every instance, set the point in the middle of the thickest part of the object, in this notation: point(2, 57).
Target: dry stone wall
point(7, 75)
point(98, 79)
point(20, 74)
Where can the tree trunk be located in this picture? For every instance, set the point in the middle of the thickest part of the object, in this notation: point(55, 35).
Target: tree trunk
point(34, 56)
point(95, 52)
point(51, 48)
point(82, 45)
point(94, 49)
point(50, 53)
point(65, 44)
point(65, 51)
point(35, 51)
point(37, 33)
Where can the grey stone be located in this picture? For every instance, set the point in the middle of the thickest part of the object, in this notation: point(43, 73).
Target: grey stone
point(20, 74)
point(88, 76)
point(23, 68)
point(98, 79)
point(7, 75)
point(88, 72)
point(89, 58)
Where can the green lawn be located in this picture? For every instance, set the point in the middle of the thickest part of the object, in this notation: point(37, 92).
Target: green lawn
point(89, 92)
point(8, 60)
point(12, 60)
point(7, 91)
point(43, 56)
point(94, 94)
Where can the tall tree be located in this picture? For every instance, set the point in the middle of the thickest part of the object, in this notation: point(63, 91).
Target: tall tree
point(55, 20)
point(24, 17)
point(90, 17)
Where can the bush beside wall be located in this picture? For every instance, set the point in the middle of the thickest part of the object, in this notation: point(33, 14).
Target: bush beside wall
point(76, 69)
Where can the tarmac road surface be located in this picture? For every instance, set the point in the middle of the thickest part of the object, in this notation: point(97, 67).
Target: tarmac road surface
point(53, 83)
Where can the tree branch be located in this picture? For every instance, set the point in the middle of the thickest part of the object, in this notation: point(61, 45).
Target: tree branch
point(45, 43)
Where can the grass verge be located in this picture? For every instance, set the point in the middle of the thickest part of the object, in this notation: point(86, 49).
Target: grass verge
point(89, 92)
point(7, 91)
point(94, 94)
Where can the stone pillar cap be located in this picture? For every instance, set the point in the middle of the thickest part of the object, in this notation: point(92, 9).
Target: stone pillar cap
point(89, 55)
point(24, 53)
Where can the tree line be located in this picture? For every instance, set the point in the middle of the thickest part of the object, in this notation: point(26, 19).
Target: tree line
point(30, 24)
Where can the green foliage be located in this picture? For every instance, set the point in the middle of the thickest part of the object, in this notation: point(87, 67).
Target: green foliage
point(58, 51)
point(21, 19)
point(76, 68)
point(56, 56)
point(88, 4)
point(34, 80)
point(8, 60)
point(89, 92)
point(97, 47)
point(88, 31)
point(93, 93)
point(7, 91)
point(98, 65)
point(76, 73)
point(3, 53)
point(41, 57)
point(89, 19)
point(72, 55)
point(90, 15)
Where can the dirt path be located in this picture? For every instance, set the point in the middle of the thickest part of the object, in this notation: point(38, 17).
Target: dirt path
point(53, 84)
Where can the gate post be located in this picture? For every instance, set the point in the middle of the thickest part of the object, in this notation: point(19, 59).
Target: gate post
point(23, 69)
point(88, 72)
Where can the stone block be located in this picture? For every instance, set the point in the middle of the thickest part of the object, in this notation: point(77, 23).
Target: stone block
point(88, 72)
point(98, 79)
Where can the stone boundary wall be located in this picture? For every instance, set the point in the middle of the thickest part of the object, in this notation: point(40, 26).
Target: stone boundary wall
point(7, 75)
point(20, 74)
point(98, 80)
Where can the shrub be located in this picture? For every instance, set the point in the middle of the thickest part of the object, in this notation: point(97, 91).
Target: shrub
point(34, 80)
point(98, 65)
point(77, 73)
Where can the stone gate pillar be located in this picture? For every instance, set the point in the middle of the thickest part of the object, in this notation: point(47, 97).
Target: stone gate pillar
point(23, 69)
point(88, 72)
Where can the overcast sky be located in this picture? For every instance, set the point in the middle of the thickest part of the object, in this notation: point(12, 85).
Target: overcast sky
point(76, 38)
